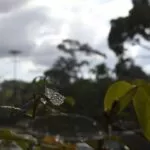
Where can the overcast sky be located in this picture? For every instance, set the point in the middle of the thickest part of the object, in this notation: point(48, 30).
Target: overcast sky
point(35, 27)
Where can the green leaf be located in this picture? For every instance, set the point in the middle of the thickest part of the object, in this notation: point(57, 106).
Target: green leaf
point(144, 84)
point(29, 113)
point(115, 92)
point(141, 104)
point(6, 134)
point(69, 100)
point(139, 82)
point(126, 99)
point(22, 144)
point(37, 148)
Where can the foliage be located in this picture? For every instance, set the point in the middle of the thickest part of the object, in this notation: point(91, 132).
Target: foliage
point(126, 28)
point(27, 126)
point(136, 93)
point(115, 92)
point(71, 47)
point(16, 122)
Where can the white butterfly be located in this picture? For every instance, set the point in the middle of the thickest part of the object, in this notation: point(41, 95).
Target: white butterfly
point(55, 97)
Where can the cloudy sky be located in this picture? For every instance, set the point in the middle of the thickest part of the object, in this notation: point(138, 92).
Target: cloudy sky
point(35, 27)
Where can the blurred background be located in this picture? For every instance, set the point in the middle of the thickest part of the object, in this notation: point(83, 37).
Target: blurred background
point(81, 46)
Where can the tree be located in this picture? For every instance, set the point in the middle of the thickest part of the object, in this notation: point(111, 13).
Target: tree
point(125, 69)
point(65, 71)
point(7, 92)
point(71, 47)
point(124, 28)
point(139, 2)
point(65, 75)
point(100, 71)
